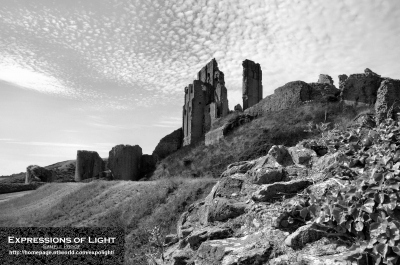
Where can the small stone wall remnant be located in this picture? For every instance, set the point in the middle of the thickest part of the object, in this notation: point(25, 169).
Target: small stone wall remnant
point(252, 88)
point(88, 165)
point(124, 162)
point(361, 89)
point(388, 100)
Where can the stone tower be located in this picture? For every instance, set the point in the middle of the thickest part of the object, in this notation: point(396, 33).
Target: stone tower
point(205, 101)
point(252, 83)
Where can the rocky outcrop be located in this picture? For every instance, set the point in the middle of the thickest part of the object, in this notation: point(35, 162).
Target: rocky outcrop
point(88, 165)
point(124, 162)
point(270, 191)
point(215, 230)
point(253, 249)
point(301, 155)
point(36, 173)
point(169, 144)
point(361, 89)
point(388, 100)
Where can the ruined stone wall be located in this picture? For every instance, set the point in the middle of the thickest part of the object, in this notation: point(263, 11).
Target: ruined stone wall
point(287, 96)
point(88, 165)
point(388, 100)
point(194, 117)
point(252, 84)
point(325, 79)
point(124, 162)
point(169, 144)
point(37, 173)
point(360, 89)
point(205, 101)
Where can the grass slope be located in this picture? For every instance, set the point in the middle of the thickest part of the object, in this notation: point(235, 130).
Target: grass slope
point(253, 139)
point(135, 206)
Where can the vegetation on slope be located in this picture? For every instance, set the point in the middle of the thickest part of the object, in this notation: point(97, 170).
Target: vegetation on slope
point(135, 206)
point(253, 139)
point(365, 212)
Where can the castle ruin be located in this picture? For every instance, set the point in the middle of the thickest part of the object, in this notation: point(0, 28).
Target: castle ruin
point(252, 84)
point(205, 101)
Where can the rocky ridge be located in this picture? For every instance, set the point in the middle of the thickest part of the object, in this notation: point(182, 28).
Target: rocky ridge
point(315, 203)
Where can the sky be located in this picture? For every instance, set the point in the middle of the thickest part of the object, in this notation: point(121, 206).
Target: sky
point(91, 74)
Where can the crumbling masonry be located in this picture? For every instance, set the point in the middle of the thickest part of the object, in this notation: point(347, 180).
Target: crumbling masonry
point(252, 84)
point(205, 101)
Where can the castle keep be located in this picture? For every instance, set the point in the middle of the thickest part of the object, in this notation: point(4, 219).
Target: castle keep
point(205, 100)
point(252, 84)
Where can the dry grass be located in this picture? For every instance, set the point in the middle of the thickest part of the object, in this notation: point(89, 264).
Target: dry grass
point(134, 206)
point(253, 139)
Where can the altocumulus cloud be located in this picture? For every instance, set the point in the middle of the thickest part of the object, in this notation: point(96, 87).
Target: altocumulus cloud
point(129, 54)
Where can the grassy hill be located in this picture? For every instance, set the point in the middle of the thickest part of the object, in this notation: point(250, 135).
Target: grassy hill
point(135, 206)
point(254, 139)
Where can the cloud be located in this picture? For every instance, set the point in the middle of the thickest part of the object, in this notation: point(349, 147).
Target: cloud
point(52, 144)
point(97, 53)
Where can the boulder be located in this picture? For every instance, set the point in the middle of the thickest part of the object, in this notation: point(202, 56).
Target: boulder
point(303, 235)
point(222, 209)
point(124, 162)
point(36, 173)
point(266, 175)
point(207, 233)
point(239, 167)
point(281, 155)
point(252, 249)
point(270, 191)
point(227, 186)
point(361, 89)
point(301, 155)
point(388, 100)
point(88, 165)
point(169, 144)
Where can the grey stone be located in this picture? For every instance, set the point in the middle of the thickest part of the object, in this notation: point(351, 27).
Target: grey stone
point(38, 173)
point(301, 155)
point(252, 249)
point(281, 155)
point(325, 79)
point(266, 175)
point(222, 209)
point(388, 100)
point(304, 235)
point(207, 233)
point(270, 191)
point(88, 165)
point(124, 162)
point(361, 89)
point(252, 88)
